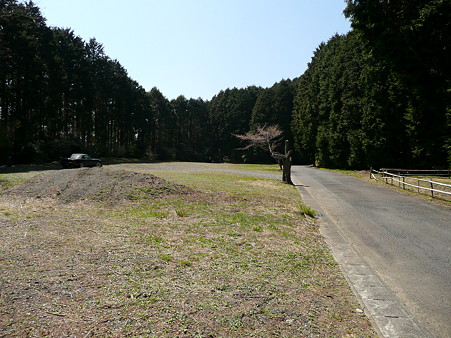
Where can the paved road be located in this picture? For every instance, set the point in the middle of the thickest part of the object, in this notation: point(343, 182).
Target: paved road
point(394, 248)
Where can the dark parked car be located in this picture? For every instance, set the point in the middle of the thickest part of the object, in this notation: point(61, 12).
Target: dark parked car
point(80, 161)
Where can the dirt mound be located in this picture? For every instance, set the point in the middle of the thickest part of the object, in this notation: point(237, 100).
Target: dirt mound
point(97, 184)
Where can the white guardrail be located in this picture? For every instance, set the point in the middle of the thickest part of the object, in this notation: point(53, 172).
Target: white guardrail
point(401, 180)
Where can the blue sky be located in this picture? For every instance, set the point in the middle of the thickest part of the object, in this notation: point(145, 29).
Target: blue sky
point(196, 48)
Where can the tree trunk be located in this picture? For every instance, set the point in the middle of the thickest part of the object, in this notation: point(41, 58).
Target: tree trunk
point(286, 176)
point(284, 161)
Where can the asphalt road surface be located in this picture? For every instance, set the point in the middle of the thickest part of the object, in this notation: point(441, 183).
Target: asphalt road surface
point(405, 240)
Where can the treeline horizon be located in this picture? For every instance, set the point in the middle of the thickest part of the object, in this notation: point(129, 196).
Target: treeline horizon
point(378, 96)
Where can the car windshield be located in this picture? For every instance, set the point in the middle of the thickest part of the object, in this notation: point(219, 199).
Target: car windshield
point(77, 156)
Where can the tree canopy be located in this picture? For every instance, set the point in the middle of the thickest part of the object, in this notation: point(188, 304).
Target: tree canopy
point(413, 39)
point(377, 96)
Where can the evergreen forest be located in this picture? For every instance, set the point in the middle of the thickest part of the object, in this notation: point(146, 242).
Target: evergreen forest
point(377, 96)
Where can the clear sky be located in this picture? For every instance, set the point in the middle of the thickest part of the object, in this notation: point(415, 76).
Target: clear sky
point(196, 48)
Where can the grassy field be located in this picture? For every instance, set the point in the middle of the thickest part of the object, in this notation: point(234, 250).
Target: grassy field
point(237, 256)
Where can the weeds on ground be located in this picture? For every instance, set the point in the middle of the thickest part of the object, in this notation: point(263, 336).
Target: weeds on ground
point(307, 211)
point(9, 180)
point(236, 257)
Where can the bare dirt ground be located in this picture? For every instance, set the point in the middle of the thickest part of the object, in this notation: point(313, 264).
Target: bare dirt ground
point(99, 184)
point(111, 252)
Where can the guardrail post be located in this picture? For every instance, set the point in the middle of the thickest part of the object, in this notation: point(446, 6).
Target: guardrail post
point(418, 181)
point(404, 182)
point(432, 188)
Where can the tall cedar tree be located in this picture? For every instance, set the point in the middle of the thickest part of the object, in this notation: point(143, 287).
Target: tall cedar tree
point(413, 39)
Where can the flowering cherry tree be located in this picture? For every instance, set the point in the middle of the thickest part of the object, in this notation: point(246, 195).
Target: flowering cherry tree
point(268, 138)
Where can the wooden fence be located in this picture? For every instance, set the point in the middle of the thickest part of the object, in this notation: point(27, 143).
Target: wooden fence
point(418, 172)
point(435, 189)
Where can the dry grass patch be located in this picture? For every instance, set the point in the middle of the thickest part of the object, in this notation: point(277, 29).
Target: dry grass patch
point(240, 261)
point(266, 184)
